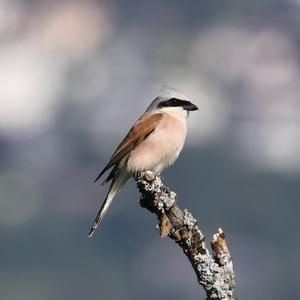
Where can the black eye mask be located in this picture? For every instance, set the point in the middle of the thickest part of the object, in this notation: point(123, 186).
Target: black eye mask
point(174, 102)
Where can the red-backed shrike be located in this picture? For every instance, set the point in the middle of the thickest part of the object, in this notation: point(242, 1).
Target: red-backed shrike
point(153, 143)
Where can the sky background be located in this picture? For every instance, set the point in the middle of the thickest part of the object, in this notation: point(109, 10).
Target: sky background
point(74, 77)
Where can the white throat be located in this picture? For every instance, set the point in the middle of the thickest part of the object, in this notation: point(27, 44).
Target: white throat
point(176, 112)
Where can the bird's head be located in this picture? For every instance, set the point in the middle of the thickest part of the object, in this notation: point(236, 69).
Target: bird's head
point(171, 100)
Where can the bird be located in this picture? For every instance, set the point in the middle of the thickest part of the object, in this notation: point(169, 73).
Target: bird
point(153, 143)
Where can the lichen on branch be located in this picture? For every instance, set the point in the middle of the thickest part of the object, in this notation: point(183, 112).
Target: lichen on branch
point(214, 271)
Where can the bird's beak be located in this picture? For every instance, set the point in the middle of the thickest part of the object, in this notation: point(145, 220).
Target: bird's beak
point(190, 106)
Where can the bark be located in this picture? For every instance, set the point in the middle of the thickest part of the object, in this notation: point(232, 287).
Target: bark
point(214, 271)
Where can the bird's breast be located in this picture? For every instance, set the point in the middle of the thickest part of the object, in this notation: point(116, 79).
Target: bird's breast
point(161, 148)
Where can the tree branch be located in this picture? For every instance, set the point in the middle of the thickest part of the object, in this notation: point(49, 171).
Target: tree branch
point(214, 272)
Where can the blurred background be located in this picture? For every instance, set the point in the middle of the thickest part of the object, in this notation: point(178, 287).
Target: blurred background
point(75, 75)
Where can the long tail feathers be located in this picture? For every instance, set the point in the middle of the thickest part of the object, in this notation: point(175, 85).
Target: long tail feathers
point(114, 189)
point(102, 212)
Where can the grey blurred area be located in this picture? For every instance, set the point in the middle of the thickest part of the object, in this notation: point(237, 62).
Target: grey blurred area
point(75, 75)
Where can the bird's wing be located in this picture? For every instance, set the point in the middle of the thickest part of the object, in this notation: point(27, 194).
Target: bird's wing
point(139, 132)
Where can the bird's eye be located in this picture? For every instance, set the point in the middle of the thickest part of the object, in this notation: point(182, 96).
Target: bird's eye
point(175, 101)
